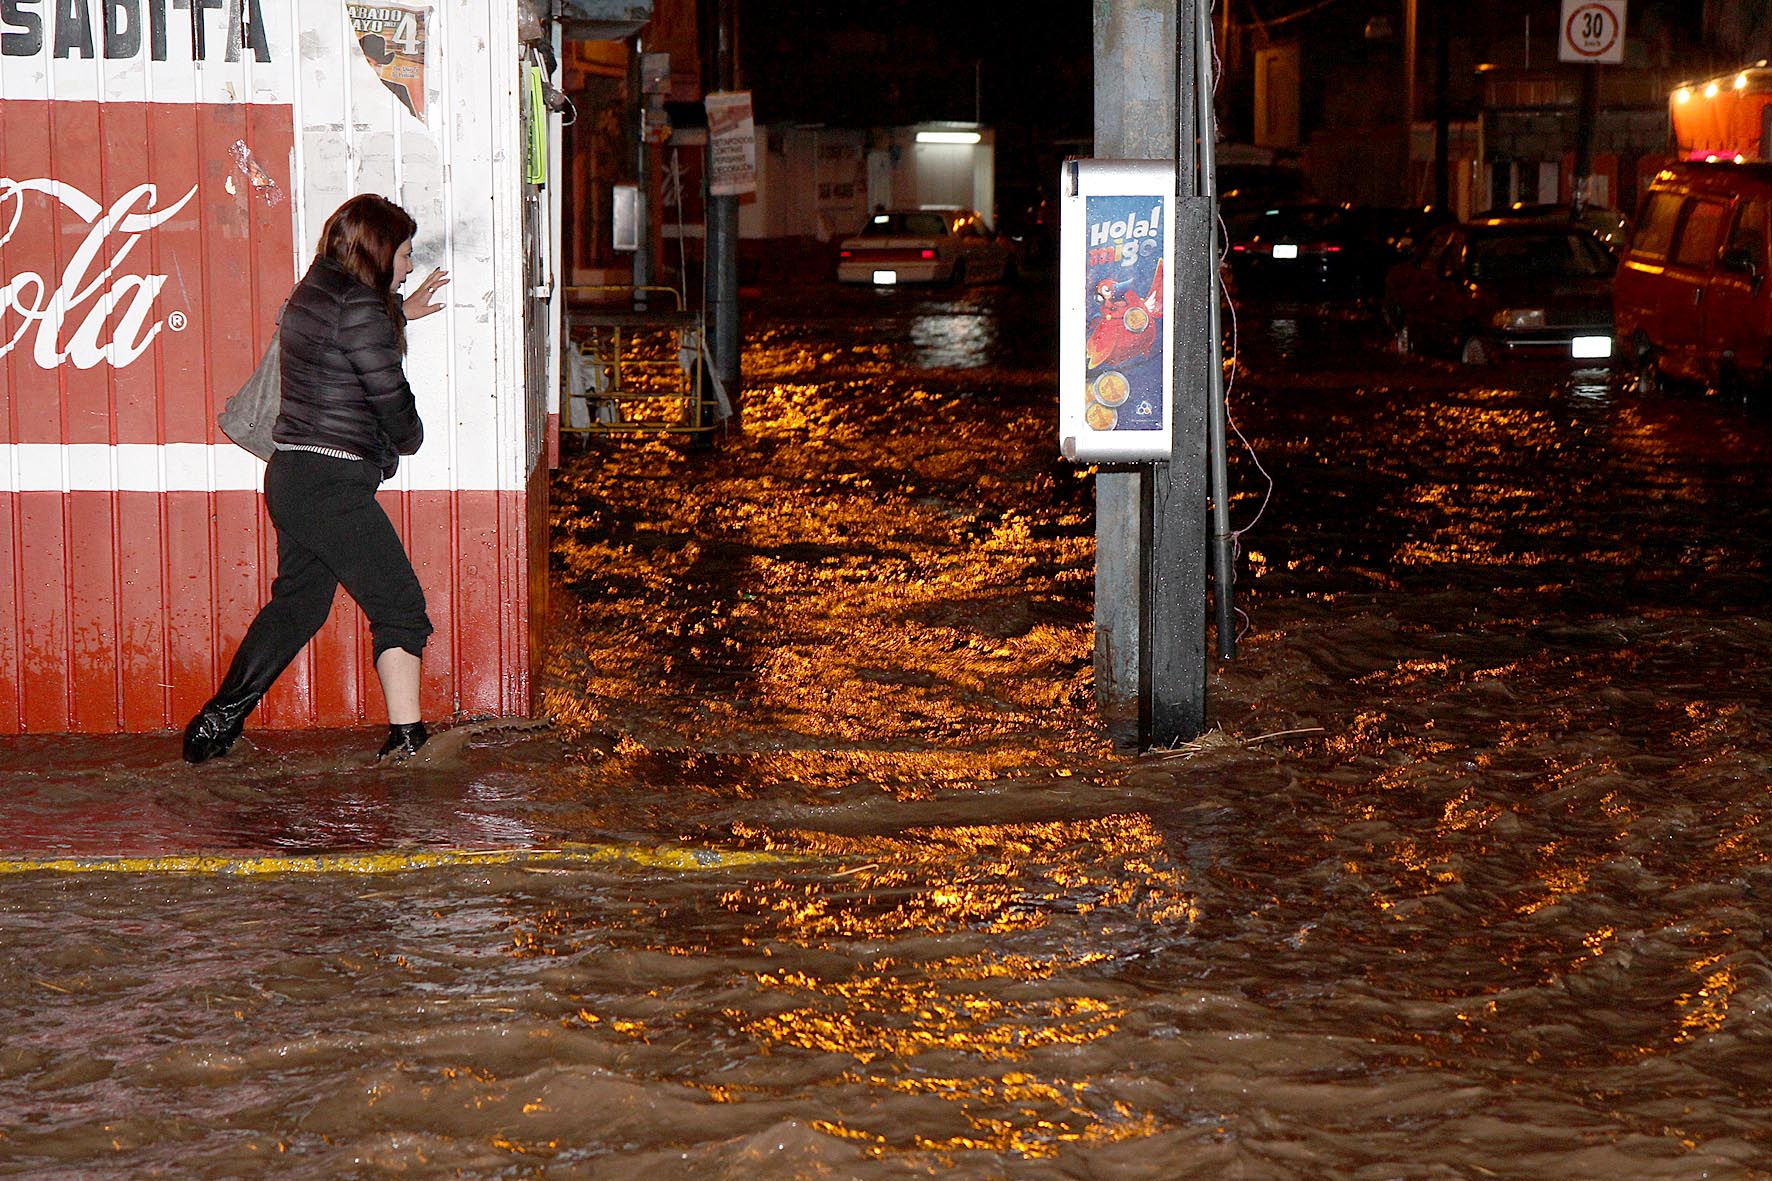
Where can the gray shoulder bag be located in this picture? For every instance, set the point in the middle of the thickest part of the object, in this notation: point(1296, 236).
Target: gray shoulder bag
point(252, 411)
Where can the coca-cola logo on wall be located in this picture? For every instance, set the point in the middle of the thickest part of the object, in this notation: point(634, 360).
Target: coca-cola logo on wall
point(122, 29)
point(89, 313)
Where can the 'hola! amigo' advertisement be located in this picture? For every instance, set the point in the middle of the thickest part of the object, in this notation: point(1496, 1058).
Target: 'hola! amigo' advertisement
point(1116, 239)
point(1122, 351)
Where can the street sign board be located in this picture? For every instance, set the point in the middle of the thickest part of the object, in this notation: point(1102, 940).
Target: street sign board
point(1592, 31)
point(1116, 353)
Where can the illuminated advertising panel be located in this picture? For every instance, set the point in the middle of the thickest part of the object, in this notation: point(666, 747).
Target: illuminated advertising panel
point(1116, 353)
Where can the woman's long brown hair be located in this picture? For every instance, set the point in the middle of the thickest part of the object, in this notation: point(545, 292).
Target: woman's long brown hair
point(362, 236)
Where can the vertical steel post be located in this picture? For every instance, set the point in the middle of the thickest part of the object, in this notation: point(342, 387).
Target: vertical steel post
point(720, 290)
point(1218, 420)
point(1442, 113)
point(1584, 139)
point(642, 174)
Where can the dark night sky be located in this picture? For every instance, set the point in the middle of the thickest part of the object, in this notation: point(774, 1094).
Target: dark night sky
point(854, 63)
point(1027, 68)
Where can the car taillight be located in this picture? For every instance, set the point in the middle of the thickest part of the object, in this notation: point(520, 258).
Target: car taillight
point(928, 255)
point(845, 254)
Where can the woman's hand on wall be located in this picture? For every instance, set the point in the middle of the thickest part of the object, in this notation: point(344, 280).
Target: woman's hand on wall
point(421, 303)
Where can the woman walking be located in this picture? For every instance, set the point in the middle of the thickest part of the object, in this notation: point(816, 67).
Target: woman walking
point(347, 416)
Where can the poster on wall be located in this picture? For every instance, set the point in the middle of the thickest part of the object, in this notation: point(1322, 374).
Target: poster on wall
point(1116, 370)
point(732, 144)
point(392, 37)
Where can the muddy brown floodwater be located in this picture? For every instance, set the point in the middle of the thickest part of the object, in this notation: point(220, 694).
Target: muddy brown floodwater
point(825, 868)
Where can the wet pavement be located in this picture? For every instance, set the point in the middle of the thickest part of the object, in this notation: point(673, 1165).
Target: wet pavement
point(1464, 881)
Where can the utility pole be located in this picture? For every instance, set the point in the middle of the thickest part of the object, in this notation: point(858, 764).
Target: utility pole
point(1150, 580)
point(1442, 112)
point(719, 37)
point(1582, 194)
point(643, 260)
point(1409, 51)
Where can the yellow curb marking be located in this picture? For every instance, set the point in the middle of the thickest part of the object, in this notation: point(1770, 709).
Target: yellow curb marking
point(663, 857)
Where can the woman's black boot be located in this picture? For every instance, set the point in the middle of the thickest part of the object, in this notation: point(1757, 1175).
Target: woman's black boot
point(404, 739)
point(217, 727)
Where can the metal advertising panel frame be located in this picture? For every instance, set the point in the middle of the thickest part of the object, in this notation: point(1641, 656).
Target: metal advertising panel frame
point(1116, 354)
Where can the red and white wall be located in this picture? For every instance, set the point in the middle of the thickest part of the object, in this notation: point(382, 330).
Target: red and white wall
point(164, 174)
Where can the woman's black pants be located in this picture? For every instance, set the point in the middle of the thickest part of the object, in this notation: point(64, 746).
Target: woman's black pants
point(331, 532)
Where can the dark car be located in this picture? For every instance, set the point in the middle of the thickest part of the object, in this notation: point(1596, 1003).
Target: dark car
point(1244, 186)
point(1611, 227)
point(1307, 251)
point(1503, 289)
point(1398, 228)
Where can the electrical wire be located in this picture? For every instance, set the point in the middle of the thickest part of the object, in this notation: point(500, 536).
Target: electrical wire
point(1230, 376)
point(1256, 20)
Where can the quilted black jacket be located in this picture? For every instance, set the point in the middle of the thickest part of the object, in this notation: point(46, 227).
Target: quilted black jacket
point(343, 384)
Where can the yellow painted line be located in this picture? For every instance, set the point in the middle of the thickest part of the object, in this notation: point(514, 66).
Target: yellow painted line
point(398, 860)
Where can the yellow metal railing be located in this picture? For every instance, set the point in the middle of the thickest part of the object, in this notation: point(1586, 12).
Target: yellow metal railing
point(636, 363)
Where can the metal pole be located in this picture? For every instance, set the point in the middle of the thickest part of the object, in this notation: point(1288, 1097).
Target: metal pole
point(1410, 190)
point(1442, 113)
point(1584, 139)
point(1409, 63)
point(642, 176)
point(720, 290)
point(1218, 420)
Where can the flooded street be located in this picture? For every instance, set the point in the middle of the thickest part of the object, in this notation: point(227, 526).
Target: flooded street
point(826, 869)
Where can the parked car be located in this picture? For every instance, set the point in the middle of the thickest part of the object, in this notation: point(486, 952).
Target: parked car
point(1028, 216)
point(1305, 251)
point(1242, 186)
point(1398, 228)
point(925, 246)
point(1503, 289)
point(1692, 297)
point(1611, 227)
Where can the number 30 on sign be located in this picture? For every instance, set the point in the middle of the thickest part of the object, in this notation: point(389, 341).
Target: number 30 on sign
point(1592, 31)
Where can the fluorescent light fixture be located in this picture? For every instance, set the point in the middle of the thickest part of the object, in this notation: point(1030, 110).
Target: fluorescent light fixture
point(948, 137)
point(1591, 346)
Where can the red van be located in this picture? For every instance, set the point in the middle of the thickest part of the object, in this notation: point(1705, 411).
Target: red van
point(1693, 298)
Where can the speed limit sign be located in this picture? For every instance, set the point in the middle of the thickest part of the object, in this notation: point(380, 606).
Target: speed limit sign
point(1593, 31)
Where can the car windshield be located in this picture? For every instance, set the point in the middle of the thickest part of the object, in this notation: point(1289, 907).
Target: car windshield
point(908, 225)
point(1572, 255)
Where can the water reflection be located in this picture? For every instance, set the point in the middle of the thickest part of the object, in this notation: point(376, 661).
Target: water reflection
point(1466, 881)
point(954, 340)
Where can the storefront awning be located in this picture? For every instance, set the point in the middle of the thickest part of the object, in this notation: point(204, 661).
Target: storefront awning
point(603, 20)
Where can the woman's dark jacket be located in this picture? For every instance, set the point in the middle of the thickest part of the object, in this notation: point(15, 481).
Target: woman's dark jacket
point(343, 383)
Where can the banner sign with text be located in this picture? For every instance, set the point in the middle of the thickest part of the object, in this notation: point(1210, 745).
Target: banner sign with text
point(732, 144)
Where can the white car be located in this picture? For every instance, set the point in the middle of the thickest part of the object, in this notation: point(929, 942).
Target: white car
point(925, 246)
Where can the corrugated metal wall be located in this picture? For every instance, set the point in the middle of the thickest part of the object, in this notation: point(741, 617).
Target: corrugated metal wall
point(163, 177)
